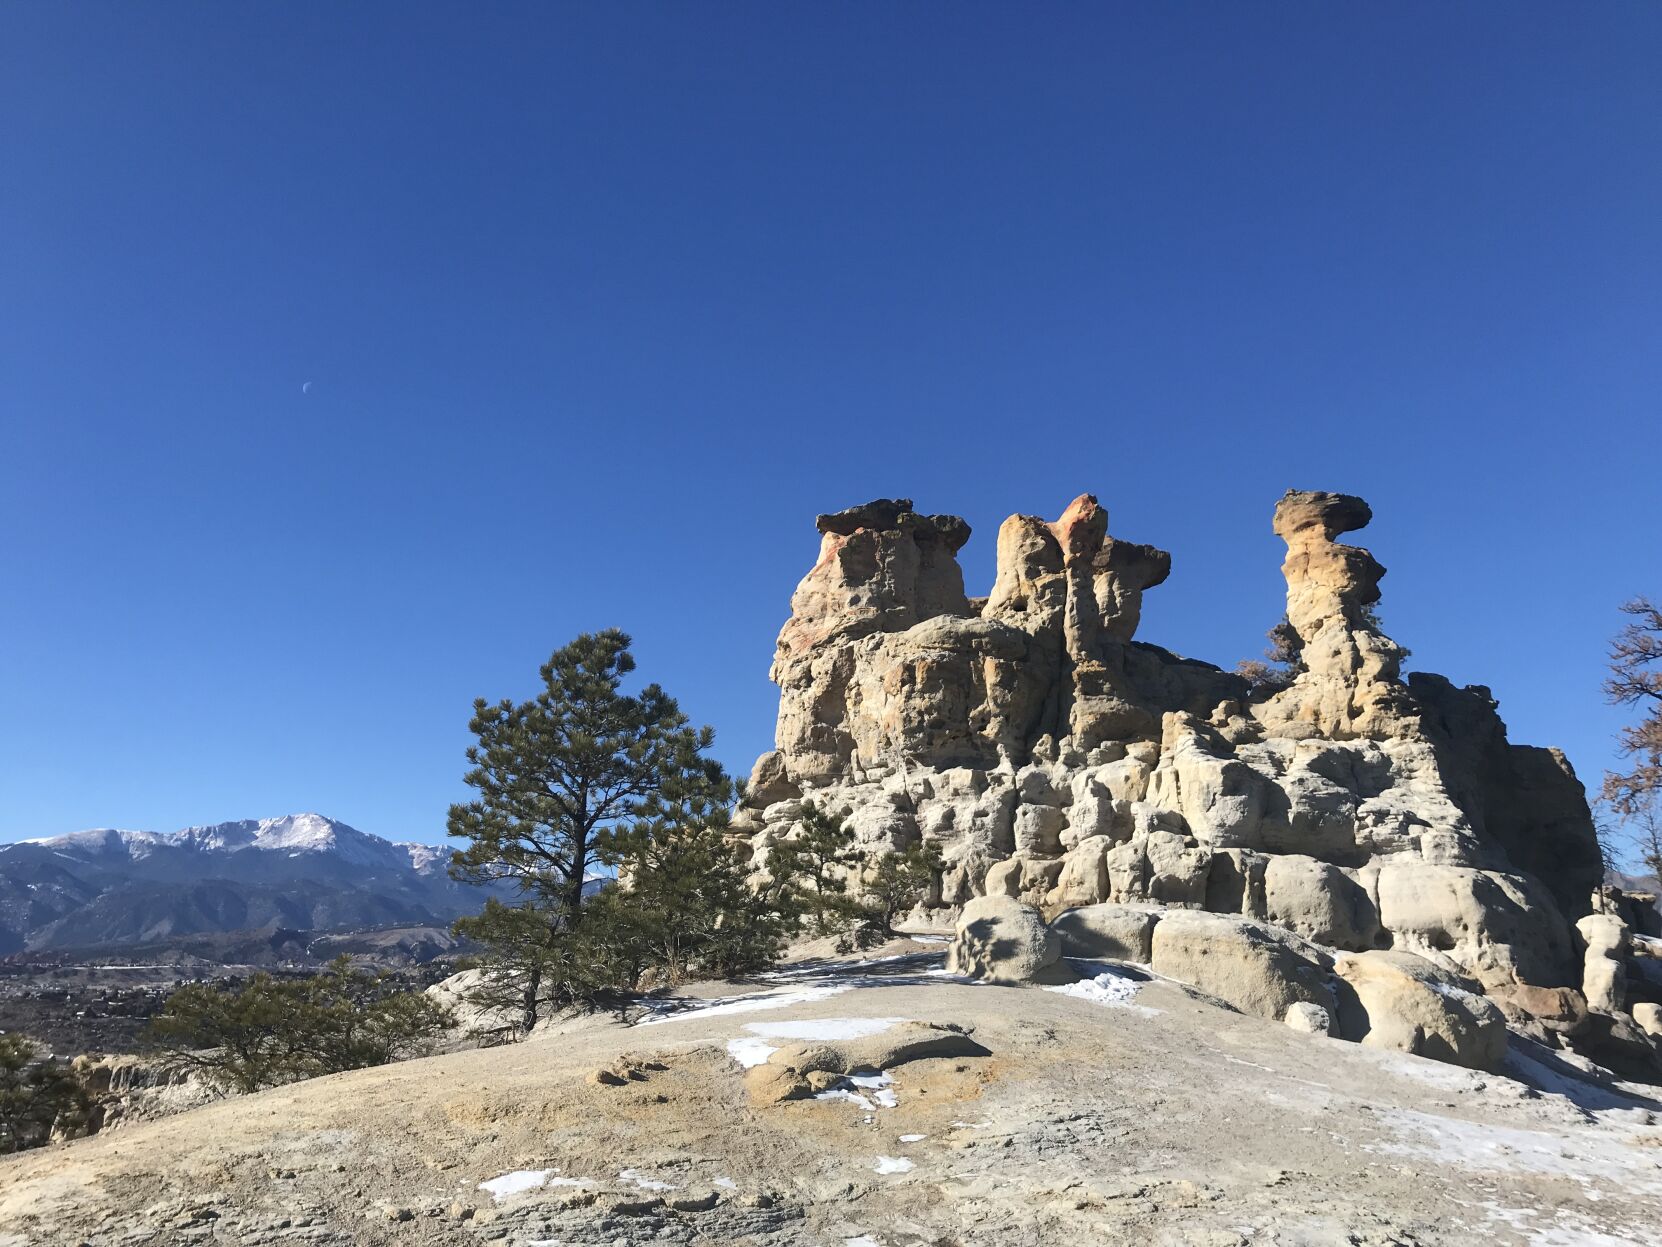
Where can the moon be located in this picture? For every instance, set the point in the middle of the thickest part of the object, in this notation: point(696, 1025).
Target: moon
point(306, 387)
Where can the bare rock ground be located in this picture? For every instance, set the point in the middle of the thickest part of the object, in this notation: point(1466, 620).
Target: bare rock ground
point(1121, 1109)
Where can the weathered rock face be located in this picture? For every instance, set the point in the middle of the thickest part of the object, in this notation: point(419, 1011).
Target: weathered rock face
point(1061, 763)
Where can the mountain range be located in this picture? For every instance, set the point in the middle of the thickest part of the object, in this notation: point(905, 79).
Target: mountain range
point(301, 871)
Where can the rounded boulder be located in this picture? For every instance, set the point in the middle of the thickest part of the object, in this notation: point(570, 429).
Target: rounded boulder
point(1000, 940)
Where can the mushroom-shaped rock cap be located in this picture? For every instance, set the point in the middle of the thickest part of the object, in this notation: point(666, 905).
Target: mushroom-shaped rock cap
point(952, 529)
point(1302, 510)
point(880, 513)
point(892, 514)
point(1132, 563)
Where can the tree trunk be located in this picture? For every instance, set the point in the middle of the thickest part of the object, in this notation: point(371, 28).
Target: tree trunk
point(574, 885)
point(528, 1002)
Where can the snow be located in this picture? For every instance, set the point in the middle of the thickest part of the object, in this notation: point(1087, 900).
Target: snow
point(1606, 1104)
point(823, 1028)
point(952, 976)
point(971, 1125)
point(780, 998)
point(843, 1093)
point(841, 969)
point(290, 834)
point(877, 1082)
point(727, 1183)
point(1109, 988)
point(753, 1049)
point(1569, 1230)
point(864, 1240)
point(518, 1181)
point(912, 1138)
point(749, 1051)
point(894, 1164)
point(1483, 1147)
point(423, 856)
point(645, 1183)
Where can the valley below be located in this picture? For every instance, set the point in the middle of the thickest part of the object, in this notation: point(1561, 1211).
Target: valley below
point(97, 1001)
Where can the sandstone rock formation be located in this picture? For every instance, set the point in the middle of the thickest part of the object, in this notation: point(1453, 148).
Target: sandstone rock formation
point(1062, 763)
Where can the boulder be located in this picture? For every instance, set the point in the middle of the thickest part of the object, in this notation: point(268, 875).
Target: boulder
point(1027, 879)
point(1176, 870)
point(1000, 940)
point(1004, 878)
point(1618, 1043)
point(1499, 929)
point(1107, 933)
point(474, 1015)
point(1258, 969)
point(1235, 883)
point(1038, 830)
point(798, 1070)
point(770, 783)
point(1399, 1001)
point(1559, 1009)
point(1319, 901)
point(1084, 876)
point(1308, 1019)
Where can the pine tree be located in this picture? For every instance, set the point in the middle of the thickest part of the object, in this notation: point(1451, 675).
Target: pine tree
point(818, 857)
point(559, 777)
point(37, 1095)
point(677, 875)
point(896, 883)
point(272, 1031)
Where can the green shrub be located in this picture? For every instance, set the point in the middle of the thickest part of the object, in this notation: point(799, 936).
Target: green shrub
point(37, 1095)
point(274, 1031)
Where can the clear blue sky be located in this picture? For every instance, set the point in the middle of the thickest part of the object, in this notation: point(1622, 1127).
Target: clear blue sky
point(600, 304)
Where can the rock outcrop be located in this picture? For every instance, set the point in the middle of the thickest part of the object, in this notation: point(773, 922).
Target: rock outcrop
point(1061, 763)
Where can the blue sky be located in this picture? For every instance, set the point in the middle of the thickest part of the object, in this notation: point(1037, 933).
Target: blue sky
point(600, 304)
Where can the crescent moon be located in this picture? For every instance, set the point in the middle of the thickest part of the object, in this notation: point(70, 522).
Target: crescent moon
point(306, 388)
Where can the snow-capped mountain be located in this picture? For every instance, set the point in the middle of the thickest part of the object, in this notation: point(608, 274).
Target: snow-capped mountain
point(301, 871)
point(292, 834)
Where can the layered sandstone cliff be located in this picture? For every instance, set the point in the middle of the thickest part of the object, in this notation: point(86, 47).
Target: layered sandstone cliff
point(1058, 760)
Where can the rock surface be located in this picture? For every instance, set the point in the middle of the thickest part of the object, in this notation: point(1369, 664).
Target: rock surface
point(1062, 763)
point(1114, 1112)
